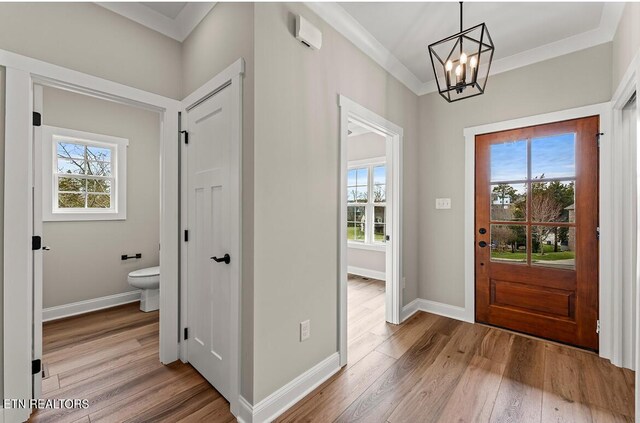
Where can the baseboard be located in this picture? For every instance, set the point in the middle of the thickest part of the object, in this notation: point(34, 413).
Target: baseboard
point(366, 273)
point(284, 398)
point(81, 307)
point(442, 309)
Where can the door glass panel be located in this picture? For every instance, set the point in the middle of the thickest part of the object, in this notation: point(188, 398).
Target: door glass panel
point(508, 243)
point(553, 246)
point(553, 157)
point(509, 161)
point(553, 201)
point(509, 202)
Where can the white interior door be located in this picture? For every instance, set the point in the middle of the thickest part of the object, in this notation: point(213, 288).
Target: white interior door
point(209, 223)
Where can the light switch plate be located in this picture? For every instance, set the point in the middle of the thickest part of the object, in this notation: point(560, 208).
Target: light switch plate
point(443, 203)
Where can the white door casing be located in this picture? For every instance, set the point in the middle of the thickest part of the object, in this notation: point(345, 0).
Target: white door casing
point(209, 213)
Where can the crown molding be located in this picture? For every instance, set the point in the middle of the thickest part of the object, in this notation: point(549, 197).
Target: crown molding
point(350, 28)
point(346, 25)
point(178, 28)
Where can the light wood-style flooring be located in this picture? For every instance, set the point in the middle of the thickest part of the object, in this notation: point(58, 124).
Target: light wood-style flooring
point(110, 357)
point(429, 369)
point(435, 369)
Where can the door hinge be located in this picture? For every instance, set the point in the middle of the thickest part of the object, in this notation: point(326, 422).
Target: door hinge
point(36, 366)
point(598, 233)
point(186, 136)
point(37, 119)
point(36, 242)
point(186, 333)
point(597, 326)
point(387, 238)
point(598, 135)
point(186, 236)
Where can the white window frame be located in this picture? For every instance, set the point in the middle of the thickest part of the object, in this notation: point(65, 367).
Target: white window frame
point(369, 242)
point(118, 146)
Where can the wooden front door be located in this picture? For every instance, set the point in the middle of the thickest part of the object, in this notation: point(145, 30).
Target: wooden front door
point(536, 231)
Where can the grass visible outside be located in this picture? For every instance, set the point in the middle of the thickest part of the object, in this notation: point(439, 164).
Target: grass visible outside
point(549, 255)
point(356, 234)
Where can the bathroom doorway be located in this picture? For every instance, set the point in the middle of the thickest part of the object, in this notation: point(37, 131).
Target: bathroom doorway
point(97, 168)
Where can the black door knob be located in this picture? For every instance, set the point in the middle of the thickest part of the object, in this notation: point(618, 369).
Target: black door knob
point(482, 244)
point(482, 231)
point(226, 259)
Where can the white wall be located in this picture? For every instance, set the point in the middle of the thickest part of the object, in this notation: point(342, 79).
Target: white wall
point(360, 147)
point(574, 80)
point(84, 261)
point(296, 186)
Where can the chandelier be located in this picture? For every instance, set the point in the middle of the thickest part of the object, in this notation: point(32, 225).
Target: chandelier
point(461, 62)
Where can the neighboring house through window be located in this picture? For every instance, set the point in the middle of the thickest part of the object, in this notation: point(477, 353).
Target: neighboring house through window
point(366, 202)
point(84, 175)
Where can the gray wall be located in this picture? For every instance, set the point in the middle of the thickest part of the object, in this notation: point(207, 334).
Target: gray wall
point(94, 40)
point(223, 36)
point(361, 147)
point(626, 42)
point(296, 185)
point(574, 80)
point(84, 261)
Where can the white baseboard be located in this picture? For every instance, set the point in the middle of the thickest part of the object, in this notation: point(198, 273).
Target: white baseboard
point(366, 273)
point(81, 307)
point(284, 398)
point(442, 309)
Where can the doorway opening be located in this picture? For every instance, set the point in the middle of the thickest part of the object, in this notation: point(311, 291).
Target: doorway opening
point(370, 230)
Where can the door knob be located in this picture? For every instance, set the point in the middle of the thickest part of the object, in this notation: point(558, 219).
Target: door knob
point(482, 244)
point(45, 248)
point(482, 231)
point(226, 259)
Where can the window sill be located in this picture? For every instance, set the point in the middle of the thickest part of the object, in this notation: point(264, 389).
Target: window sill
point(370, 247)
point(81, 217)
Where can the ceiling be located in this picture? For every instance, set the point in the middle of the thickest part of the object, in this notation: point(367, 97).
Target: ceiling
point(396, 35)
point(169, 9)
point(173, 19)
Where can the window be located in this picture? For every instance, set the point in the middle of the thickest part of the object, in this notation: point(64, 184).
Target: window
point(366, 202)
point(84, 175)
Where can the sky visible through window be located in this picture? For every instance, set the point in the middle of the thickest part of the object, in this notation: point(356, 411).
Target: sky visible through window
point(553, 157)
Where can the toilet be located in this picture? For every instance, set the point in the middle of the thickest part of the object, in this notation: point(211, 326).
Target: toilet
point(148, 281)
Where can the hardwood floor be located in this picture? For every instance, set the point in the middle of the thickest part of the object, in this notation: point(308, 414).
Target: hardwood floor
point(435, 369)
point(429, 369)
point(110, 357)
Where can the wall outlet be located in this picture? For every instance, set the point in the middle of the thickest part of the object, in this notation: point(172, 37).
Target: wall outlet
point(443, 203)
point(305, 330)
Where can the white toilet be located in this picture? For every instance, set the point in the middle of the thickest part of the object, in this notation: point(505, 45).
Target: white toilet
point(148, 281)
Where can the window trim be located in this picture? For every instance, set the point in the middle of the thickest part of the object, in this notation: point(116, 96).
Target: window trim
point(118, 146)
point(368, 243)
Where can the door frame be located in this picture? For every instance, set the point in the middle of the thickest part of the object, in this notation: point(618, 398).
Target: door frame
point(603, 110)
point(22, 73)
point(231, 79)
point(350, 110)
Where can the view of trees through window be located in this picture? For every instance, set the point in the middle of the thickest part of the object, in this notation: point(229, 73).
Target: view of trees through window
point(541, 206)
point(83, 177)
point(366, 199)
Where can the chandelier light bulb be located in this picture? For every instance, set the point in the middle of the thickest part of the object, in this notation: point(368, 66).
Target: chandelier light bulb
point(473, 62)
point(449, 65)
point(463, 58)
point(458, 70)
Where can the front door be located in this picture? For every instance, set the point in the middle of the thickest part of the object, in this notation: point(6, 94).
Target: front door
point(536, 230)
point(209, 221)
